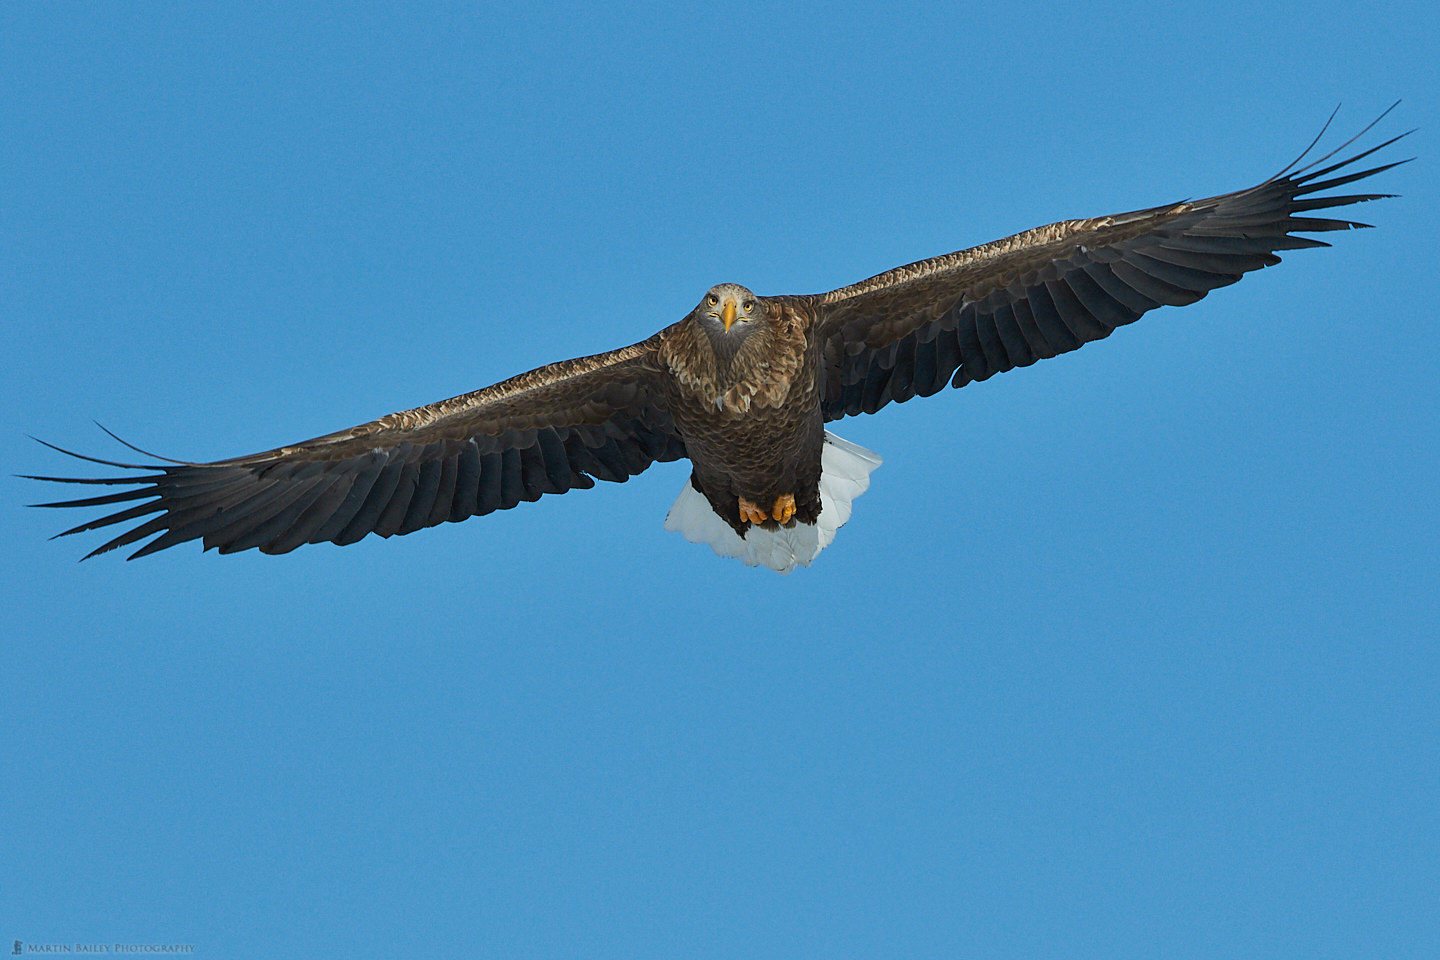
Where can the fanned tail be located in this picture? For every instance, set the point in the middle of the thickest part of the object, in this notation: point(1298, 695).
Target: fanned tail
point(845, 470)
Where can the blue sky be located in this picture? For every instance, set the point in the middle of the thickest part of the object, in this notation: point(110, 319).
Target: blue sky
point(1129, 653)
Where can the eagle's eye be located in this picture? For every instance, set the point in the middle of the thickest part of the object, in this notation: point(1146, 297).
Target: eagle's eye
point(712, 299)
point(748, 305)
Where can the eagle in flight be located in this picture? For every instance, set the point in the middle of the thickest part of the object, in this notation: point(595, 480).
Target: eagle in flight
point(742, 386)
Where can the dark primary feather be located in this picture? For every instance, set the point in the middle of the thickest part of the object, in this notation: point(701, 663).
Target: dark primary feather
point(547, 431)
point(972, 314)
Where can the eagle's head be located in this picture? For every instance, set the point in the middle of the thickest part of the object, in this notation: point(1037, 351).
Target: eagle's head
point(729, 314)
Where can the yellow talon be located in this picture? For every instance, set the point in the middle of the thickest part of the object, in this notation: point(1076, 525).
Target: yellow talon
point(784, 508)
point(750, 513)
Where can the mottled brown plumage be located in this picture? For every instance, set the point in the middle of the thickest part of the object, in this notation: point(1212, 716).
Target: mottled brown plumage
point(751, 422)
point(742, 386)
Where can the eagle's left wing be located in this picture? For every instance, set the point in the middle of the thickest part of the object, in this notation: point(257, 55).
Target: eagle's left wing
point(971, 314)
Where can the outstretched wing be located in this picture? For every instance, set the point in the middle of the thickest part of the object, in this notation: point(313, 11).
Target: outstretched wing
point(969, 315)
point(546, 431)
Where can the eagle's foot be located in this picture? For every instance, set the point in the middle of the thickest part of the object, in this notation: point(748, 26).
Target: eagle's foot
point(781, 513)
point(784, 508)
point(750, 513)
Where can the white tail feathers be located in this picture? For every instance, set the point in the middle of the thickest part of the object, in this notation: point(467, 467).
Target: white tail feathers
point(845, 470)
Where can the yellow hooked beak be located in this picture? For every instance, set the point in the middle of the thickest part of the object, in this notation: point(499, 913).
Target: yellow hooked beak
point(727, 313)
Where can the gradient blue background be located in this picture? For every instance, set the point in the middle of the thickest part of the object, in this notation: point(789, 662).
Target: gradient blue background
point(1130, 653)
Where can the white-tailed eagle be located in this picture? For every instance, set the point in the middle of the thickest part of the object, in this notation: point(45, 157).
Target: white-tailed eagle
point(742, 386)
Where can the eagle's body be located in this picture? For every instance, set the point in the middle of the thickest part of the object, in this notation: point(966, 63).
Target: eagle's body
point(743, 386)
point(751, 421)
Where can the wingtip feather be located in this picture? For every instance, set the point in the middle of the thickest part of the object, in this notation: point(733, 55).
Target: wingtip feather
point(127, 443)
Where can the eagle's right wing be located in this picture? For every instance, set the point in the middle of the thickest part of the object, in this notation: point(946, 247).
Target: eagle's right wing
point(546, 431)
